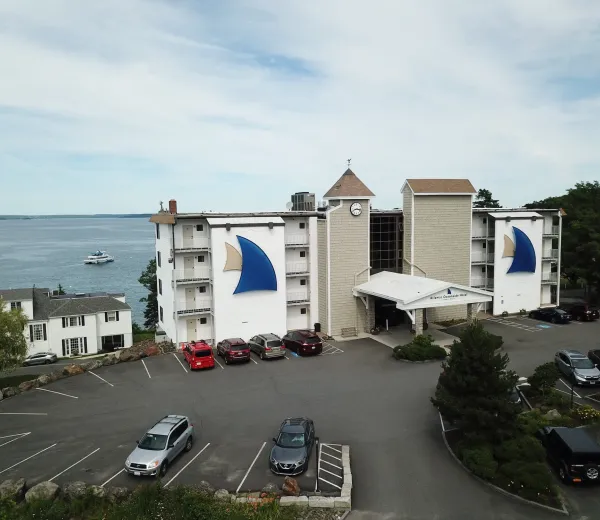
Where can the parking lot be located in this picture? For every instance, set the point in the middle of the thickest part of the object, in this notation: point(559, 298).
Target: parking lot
point(83, 428)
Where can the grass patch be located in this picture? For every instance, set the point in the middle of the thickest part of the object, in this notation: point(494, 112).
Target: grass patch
point(16, 381)
point(450, 323)
point(142, 336)
point(421, 348)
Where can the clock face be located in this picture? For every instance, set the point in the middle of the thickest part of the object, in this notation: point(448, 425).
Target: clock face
point(356, 209)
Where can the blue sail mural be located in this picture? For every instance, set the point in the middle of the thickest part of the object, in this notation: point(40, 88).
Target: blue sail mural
point(521, 251)
point(258, 273)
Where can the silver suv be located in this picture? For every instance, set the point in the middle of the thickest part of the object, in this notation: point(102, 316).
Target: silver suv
point(160, 445)
point(578, 368)
point(267, 346)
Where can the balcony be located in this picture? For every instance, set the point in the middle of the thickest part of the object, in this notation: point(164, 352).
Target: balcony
point(193, 244)
point(195, 274)
point(482, 257)
point(296, 268)
point(551, 231)
point(549, 277)
point(550, 254)
point(297, 297)
point(296, 240)
point(482, 283)
point(197, 306)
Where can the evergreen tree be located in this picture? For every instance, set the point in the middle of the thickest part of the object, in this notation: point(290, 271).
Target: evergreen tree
point(148, 280)
point(13, 345)
point(484, 199)
point(474, 388)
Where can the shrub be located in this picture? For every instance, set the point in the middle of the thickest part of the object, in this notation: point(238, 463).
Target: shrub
point(544, 378)
point(480, 460)
point(530, 480)
point(421, 348)
point(524, 448)
point(585, 414)
point(531, 422)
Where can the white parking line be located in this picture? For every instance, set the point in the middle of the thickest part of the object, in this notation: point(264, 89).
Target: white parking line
point(286, 357)
point(569, 387)
point(330, 483)
point(59, 393)
point(217, 362)
point(113, 477)
point(335, 466)
point(179, 361)
point(17, 437)
point(101, 378)
point(73, 465)
point(331, 473)
point(30, 457)
point(329, 455)
point(149, 376)
point(592, 398)
point(253, 361)
point(17, 413)
point(331, 448)
point(250, 468)
point(195, 457)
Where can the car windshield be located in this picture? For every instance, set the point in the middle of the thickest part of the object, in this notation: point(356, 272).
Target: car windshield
point(560, 311)
point(290, 440)
point(273, 343)
point(241, 346)
point(202, 353)
point(582, 363)
point(309, 340)
point(153, 442)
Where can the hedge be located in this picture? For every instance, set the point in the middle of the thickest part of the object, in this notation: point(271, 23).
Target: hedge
point(421, 348)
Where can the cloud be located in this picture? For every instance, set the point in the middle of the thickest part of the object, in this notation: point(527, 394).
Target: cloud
point(236, 104)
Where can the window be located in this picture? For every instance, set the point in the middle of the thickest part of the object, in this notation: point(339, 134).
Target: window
point(160, 313)
point(201, 258)
point(73, 321)
point(302, 282)
point(111, 316)
point(483, 269)
point(158, 259)
point(302, 225)
point(74, 346)
point(302, 311)
point(202, 289)
point(484, 245)
point(157, 231)
point(485, 220)
point(15, 305)
point(160, 287)
point(38, 332)
point(302, 254)
point(199, 227)
point(202, 321)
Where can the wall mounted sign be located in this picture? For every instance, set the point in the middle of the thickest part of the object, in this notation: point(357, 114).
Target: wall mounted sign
point(448, 295)
point(257, 272)
point(521, 251)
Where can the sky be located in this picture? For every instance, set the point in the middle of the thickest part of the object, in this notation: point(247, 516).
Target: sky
point(114, 106)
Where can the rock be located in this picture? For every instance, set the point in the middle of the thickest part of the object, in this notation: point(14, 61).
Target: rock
point(73, 370)
point(118, 494)
point(126, 355)
point(206, 488)
point(222, 494)
point(117, 354)
point(290, 487)
point(1, 396)
point(10, 391)
point(271, 489)
point(552, 414)
point(97, 491)
point(92, 365)
point(74, 490)
point(55, 375)
point(44, 379)
point(13, 490)
point(28, 385)
point(42, 491)
point(152, 350)
point(135, 356)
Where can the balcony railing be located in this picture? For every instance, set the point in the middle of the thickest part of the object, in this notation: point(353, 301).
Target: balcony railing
point(549, 277)
point(551, 230)
point(482, 257)
point(296, 267)
point(194, 274)
point(482, 283)
point(297, 297)
point(193, 244)
point(479, 233)
point(296, 240)
point(197, 306)
point(550, 254)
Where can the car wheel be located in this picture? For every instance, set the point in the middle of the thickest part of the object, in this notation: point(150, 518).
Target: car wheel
point(163, 469)
point(562, 474)
point(47, 362)
point(531, 315)
point(189, 443)
point(578, 318)
point(226, 360)
point(553, 320)
point(262, 356)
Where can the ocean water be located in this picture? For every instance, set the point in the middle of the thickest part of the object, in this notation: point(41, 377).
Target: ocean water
point(48, 252)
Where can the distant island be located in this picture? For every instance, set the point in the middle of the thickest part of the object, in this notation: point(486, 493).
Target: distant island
point(99, 215)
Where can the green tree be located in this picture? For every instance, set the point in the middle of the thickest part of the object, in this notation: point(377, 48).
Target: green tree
point(544, 378)
point(474, 388)
point(60, 289)
point(13, 345)
point(148, 280)
point(484, 199)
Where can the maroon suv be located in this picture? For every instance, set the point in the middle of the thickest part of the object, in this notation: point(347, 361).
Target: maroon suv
point(234, 350)
point(303, 342)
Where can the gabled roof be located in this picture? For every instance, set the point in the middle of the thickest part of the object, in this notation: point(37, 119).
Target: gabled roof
point(441, 186)
point(45, 307)
point(17, 294)
point(348, 186)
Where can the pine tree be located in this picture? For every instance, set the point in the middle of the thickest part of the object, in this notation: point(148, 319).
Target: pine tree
point(148, 280)
point(474, 388)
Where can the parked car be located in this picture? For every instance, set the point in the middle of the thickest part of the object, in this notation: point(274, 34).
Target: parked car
point(159, 447)
point(267, 346)
point(572, 452)
point(199, 354)
point(303, 342)
point(551, 314)
point(234, 350)
point(583, 312)
point(41, 358)
point(577, 367)
point(594, 356)
point(293, 446)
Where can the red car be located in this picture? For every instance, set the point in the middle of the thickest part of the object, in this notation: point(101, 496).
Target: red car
point(199, 354)
point(234, 350)
point(303, 342)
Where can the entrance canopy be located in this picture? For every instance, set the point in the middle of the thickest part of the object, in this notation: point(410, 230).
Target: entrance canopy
point(416, 292)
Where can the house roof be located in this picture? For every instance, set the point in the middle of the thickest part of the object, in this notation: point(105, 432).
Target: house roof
point(17, 294)
point(348, 186)
point(45, 307)
point(503, 215)
point(441, 186)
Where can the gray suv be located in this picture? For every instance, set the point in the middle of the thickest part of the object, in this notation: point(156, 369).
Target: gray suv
point(577, 367)
point(160, 445)
point(267, 346)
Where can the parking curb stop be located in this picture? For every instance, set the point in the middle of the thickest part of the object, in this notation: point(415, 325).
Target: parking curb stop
point(293, 501)
point(321, 502)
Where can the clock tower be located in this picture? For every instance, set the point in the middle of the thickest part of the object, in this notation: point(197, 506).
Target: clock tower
point(344, 256)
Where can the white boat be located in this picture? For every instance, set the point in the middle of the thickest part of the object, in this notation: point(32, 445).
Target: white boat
point(99, 257)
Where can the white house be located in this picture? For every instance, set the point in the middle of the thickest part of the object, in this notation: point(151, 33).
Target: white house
point(68, 324)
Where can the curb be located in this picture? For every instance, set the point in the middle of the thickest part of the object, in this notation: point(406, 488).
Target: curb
point(562, 511)
point(420, 362)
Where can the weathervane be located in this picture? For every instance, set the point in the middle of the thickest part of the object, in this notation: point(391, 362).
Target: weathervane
point(349, 160)
point(161, 206)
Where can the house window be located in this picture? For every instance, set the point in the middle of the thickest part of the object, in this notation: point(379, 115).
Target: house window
point(302, 225)
point(484, 245)
point(111, 316)
point(302, 311)
point(202, 289)
point(74, 346)
point(15, 305)
point(202, 321)
point(157, 231)
point(160, 286)
point(302, 254)
point(201, 258)
point(158, 259)
point(38, 332)
point(483, 269)
point(485, 220)
point(161, 315)
point(302, 282)
point(199, 227)
point(73, 321)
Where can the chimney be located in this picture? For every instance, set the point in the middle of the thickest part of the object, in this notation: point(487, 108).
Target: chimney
point(173, 207)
